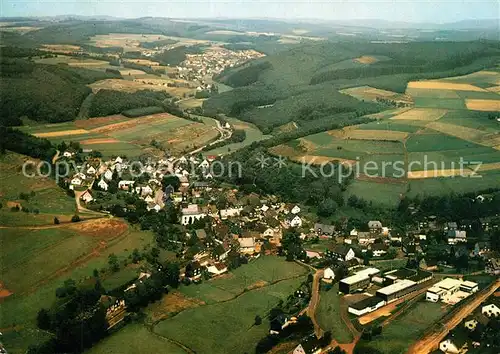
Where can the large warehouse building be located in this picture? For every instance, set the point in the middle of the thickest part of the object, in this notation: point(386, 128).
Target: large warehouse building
point(397, 290)
point(358, 281)
point(451, 290)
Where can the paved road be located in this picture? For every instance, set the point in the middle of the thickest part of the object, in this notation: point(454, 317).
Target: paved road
point(314, 301)
point(432, 340)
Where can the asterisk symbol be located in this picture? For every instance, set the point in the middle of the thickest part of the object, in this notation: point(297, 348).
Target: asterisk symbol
point(263, 161)
point(280, 161)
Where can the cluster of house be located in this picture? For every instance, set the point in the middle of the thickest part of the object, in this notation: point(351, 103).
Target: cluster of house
point(460, 339)
point(197, 67)
point(100, 173)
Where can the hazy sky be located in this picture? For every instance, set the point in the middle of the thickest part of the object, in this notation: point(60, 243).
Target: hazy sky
point(439, 11)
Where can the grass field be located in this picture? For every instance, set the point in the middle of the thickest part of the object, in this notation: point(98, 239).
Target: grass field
point(39, 261)
point(48, 198)
point(398, 335)
point(328, 315)
point(227, 327)
point(388, 194)
point(258, 273)
point(135, 338)
point(225, 307)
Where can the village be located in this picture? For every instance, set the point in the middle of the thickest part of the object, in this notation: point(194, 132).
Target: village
point(220, 223)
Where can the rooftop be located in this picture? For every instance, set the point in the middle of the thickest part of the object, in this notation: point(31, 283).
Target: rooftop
point(368, 302)
point(398, 286)
point(361, 275)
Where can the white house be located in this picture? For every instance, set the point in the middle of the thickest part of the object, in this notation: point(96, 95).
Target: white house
point(328, 275)
point(91, 170)
point(183, 159)
point(149, 199)
point(247, 245)
point(153, 206)
point(217, 268)
point(86, 197)
point(453, 344)
point(230, 212)
point(125, 185)
point(80, 175)
point(76, 181)
point(205, 164)
point(103, 185)
point(144, 190)
point(490, 310)
point(295, 210)
point(264, 208)
point(108, 175)
point(295, 222)
point(190, 214)
point(68, 154)
point(269, 232)
point(118, 160)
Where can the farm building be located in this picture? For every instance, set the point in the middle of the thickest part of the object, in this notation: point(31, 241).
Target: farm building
point(450, 290)
point(217, 268)
point(115, 310)
point(358, 281)
point(367, 305)
point(397, 290)
point(86, 197)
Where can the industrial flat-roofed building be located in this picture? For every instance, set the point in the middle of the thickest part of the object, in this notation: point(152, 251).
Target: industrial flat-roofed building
point(397, 290)
point(367, 305)
point(358, 281)
point(447, 288)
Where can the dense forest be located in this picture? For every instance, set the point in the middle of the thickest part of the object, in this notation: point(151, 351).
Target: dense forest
point(108, 102)
point(26, 144)
point(50, 93)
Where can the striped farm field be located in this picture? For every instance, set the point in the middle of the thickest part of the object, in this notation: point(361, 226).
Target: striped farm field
point(443, 85)
point(61, 133)
point(483, 105)
point(424, 114)
point(366, 134)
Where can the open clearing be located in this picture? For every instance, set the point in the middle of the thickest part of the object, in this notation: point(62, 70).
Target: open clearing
point(483, 105)
point(373, 94)
point(366, 60)
point(377, 134)
point(61, 48)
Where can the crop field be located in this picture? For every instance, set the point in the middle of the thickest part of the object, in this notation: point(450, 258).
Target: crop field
point(328, 315)
point(145, 83)
point(76, 62)
point(400, 333)
point(252, 134)
point(483, 105)
point(131, 137)
point(232, 320)
point(372, 94)
point(69, 251)
point(61, 48)
point(439, 131)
